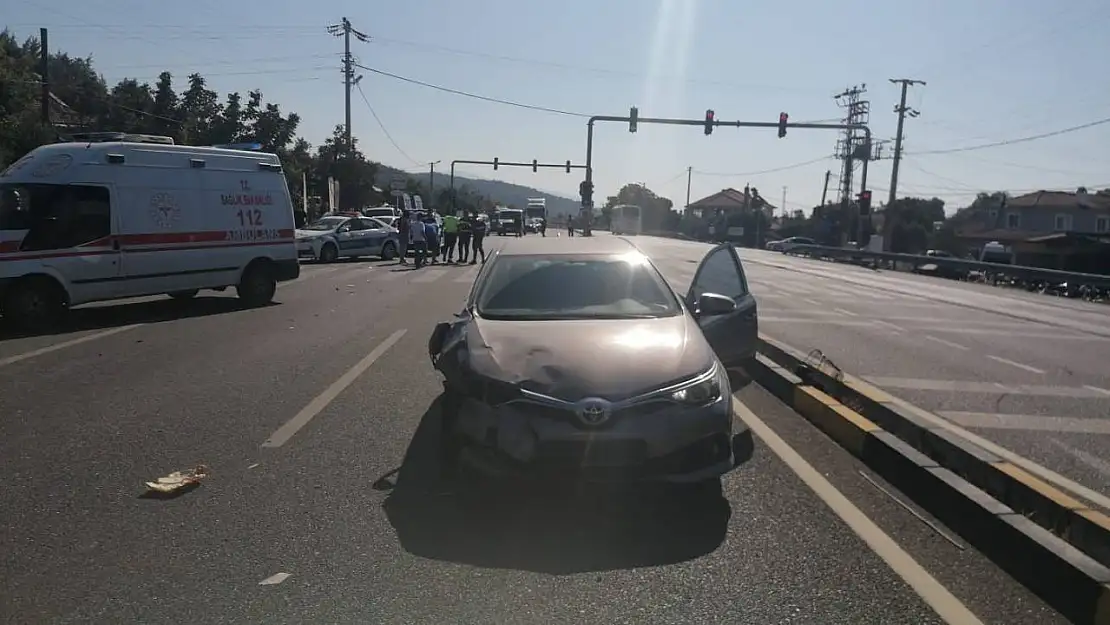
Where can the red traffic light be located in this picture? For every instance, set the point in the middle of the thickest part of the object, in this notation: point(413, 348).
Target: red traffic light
point(783, 117)
point(709, 115)
point(865, 195)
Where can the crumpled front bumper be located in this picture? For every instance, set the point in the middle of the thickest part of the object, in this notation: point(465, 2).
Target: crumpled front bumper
point(656, 442)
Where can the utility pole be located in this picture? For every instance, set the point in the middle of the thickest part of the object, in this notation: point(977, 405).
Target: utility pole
point(902, 110)
point(689, 176)
point(784, 200)
point(853, 147)
point(345, 30)
point(825, 190)
point(432, 182)
point(44, 70)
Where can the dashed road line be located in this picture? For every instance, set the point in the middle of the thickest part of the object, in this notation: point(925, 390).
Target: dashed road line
point(1013, 363)
point(11, 360)
point(317, 405)
point(951, 344)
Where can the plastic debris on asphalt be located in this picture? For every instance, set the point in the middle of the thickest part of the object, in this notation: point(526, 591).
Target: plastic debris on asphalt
point(178, 480)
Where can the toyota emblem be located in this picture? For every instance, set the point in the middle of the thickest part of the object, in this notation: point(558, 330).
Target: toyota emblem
point(594, 411)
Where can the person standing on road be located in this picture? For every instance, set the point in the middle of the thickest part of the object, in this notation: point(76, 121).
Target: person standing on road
point(416, 238)
point(403, 236)
point(478, 240)
point(431, 234)
point(466, 227)
point(450, 236)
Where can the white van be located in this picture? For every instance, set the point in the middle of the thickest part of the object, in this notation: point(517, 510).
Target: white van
point(85, 222)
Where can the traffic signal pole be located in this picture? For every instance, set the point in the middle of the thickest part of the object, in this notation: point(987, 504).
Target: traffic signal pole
point(710, 121)
point(496, 163)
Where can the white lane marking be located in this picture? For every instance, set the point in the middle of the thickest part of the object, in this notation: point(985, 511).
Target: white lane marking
point(1090, 460)
point(1044, 473)
point(275, 579)
point(947, 343)
point(428, 275)
point(465, 279)
point(889, 326)
point(11, 360)
point(993, 388)
point(1012, 363)
point(1097, 389)
point(812, 302)
point(845, 312)
point(1036, 423)
point(848, 323)
point(932, 592)
point(317, 405)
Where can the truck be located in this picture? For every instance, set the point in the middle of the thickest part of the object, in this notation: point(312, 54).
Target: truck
point(534, 210)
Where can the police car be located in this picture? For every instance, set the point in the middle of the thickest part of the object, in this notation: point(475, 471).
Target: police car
point(347, 235)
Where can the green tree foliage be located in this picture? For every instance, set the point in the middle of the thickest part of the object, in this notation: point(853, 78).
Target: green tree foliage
point(655, 211)
point(189, 112)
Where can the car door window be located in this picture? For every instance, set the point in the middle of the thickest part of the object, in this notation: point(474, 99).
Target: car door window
point(720, 273)
point(358, 225)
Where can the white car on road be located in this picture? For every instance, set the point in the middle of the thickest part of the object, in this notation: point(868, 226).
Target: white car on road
point(347, 236)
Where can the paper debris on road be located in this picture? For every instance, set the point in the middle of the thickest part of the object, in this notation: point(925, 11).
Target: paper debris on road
point(178, 479)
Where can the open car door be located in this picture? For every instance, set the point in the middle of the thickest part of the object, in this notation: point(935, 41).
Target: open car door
point(733, 331)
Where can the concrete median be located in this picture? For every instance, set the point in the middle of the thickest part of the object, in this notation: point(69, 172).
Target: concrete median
point(1051, 542)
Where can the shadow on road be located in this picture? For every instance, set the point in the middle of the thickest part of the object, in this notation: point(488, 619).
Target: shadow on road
point(112, 315)
point(550, 528)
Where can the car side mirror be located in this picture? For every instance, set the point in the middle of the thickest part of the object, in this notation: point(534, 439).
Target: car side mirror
point(714, 304)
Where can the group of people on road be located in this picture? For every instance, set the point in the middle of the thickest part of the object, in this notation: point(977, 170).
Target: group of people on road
point(422, 233)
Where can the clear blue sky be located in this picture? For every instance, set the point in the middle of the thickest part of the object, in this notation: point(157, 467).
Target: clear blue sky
point(996, 70)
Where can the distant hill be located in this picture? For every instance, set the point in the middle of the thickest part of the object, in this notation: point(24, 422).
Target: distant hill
point(500, 192)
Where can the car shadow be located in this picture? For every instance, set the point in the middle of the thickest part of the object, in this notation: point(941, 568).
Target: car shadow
point(554, 528)
point(109, 315)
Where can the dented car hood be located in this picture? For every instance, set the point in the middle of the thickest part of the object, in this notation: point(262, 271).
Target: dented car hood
point(573, 359)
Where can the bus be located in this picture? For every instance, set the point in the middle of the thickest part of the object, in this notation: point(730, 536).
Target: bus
point(626, 219)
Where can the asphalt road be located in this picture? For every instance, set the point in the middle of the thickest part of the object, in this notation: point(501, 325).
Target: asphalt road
point(1028, 372)
point(298, 408)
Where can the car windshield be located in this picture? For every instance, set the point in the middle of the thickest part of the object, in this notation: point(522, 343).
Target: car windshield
point(529, 287)
point(326, 223)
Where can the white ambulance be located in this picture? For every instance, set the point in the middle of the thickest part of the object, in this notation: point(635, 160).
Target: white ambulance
point(95, 221)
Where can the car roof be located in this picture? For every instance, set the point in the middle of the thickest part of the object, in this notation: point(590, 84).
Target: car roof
point(601, 244)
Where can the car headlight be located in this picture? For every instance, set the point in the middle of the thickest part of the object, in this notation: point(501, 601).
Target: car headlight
point(701, 391)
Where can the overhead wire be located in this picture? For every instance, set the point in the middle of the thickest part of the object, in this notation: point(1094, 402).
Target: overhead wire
point(468, 94)
point(995, 144)
point(381, 125)
point(764, 171)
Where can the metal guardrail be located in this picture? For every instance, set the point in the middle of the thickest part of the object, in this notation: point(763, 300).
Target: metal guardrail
point(1015, 271)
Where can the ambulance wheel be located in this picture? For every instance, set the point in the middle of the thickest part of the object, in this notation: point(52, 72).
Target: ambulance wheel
point(389, 251)
point(188, 294)
point(34, 304)
point(257, 286)
point(329, 253)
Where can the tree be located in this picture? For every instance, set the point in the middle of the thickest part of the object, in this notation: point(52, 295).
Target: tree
point(195, 116)
point(655, 211)
point(914, 219)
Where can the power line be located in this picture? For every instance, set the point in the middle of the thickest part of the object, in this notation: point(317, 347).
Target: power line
point(382, 126)
point(542, 109)
point(579, 68)
point(764, 171)
point(995, 144)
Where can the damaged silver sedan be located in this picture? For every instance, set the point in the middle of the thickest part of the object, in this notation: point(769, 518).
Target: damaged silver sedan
point(574, 359)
